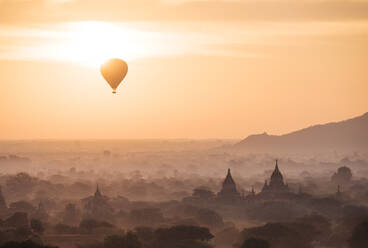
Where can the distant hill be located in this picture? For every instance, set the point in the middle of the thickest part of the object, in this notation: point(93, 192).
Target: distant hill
point(348, 135)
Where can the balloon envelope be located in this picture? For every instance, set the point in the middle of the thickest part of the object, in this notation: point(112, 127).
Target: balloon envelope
point(114, 71)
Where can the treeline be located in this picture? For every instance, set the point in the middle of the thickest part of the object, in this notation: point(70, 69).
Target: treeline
point(145, 237)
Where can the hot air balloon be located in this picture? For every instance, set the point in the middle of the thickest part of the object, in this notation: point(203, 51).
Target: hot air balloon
point(114, 71)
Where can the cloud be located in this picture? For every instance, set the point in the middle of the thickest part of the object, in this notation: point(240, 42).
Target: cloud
point(68, 41)
point(157, 10)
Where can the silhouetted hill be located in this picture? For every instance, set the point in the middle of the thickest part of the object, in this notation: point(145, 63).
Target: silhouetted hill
point(348, 135)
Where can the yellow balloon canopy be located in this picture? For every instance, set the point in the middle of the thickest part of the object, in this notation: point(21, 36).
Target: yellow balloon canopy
point(114, 71)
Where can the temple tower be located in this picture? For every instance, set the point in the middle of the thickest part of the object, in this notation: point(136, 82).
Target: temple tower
point(276, 181)
point(229, 191)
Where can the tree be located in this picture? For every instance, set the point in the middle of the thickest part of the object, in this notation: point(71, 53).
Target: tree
point(146, 216)
point(114, 241)
point(22, 206)
point(321, 226)
point(255, 243)
point(226, 237)
point(208, 217)
point(146, 235)
point(21, 184)
point(281, 235)
point(203, 193)
point(25, 244)
point(359, 237)
point(18, 219)
point(182, 236)
point(129, 240)
point(65, 229)
point(91, 224)
point(342, 176)
point(21, 233)
point(37, 226)
point(71, 214)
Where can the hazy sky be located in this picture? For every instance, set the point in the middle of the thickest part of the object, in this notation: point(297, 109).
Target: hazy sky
point(197, 69)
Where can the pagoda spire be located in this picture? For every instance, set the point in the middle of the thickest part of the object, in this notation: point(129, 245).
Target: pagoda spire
point(339, 192)
point(265, 186)
point(277, 166)
point(229, 179)
point(276, 175)
point(97, 193)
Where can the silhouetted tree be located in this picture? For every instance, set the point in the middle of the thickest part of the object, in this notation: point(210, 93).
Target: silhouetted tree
point(114, 241)
point(210, 218)
point(226, 237)
point(90, 224)
point(22, 206)
point(25, 244)
point(282, 235)
point(203, 193)
point(65, 229)
point(146, 235)
point(18, 219)
point(71, 214)
point(359, 238)
point(21, 184)
point(146, 217)
point(342, 176)
point(129, 240)
point(321, 225)
point(37, 226)
point(91, 245)
point(182, 236)
point(255, 243)
point(22, 233)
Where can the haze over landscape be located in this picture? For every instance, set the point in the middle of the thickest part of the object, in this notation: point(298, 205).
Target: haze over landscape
point(183, 124)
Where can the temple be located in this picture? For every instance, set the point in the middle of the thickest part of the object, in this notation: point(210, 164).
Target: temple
point(97, 206)
point(228, 192)
point(276, 184)
point(274, 189)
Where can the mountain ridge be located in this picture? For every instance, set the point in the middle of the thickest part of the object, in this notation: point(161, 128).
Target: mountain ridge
point(346, 135)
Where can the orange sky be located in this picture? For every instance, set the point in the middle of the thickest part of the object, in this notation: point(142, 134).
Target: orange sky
point(197, 69)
